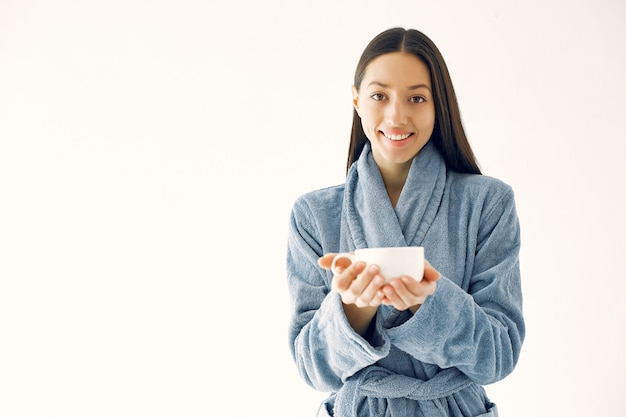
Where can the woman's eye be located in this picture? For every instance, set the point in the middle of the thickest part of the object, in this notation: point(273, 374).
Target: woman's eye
point(378, 96)
point(417, 99)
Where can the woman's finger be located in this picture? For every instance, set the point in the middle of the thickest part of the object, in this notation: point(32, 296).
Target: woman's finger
point(342, 282)
point(326, 260)
point(430, 273)
point(372, 295)
point(358, 285)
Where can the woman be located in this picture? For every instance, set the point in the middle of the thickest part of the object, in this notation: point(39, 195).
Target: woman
point(406, 347)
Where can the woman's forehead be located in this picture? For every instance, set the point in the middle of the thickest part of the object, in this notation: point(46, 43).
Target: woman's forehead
point(396, 70)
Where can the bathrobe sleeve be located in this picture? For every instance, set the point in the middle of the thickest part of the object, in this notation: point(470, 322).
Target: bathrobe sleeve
point(324, 346)
point(478, 330)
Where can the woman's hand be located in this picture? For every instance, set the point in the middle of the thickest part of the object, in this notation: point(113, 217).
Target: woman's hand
point(407, 293)
point(356, 284)
point(367, 288)
point(360, 291)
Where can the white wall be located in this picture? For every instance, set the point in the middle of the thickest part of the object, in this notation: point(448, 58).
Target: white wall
point(146, 146)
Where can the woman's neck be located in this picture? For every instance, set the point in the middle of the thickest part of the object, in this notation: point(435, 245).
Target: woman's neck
point(394, 179)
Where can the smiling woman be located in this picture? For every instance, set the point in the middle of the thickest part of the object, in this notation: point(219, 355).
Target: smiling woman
point(406, 345)
point(428, 70)
point(142, 234)
point(397, 112)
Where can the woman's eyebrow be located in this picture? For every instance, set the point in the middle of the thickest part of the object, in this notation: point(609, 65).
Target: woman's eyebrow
point(413, 87)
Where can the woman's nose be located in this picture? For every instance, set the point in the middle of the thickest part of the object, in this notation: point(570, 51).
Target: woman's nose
point(397, 113)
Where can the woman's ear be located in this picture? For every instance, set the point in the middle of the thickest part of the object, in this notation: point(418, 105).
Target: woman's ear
point(355, 99)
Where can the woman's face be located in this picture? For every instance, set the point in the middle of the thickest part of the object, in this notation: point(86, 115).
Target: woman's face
point(396, 107)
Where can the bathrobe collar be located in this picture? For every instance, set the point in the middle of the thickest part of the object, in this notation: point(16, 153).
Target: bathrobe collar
point(369, 219)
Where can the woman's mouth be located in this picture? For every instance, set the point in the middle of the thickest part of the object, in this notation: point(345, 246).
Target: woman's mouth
point(396, 137)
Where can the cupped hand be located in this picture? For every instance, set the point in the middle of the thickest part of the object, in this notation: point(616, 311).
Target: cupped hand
point(407, 293)
point(367, 288)
point(355, 283)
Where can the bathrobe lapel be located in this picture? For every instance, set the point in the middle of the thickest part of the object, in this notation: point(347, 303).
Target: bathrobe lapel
point(368, 218)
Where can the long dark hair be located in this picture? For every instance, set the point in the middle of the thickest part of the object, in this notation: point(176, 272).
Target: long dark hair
point(448, 134)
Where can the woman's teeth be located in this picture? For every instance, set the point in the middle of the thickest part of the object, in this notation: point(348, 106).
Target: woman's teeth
point(396, 137)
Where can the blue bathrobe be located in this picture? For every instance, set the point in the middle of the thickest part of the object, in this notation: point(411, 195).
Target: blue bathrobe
point(467, 334)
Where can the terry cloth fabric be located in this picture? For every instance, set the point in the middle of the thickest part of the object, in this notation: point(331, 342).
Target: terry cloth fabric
point(369, 220)
point(467, 334)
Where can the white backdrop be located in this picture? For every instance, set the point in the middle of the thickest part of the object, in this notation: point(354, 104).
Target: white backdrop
point(150, 152)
